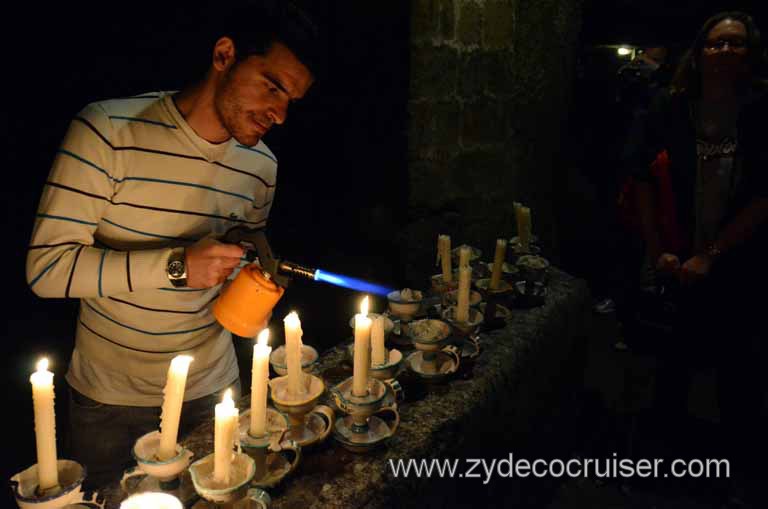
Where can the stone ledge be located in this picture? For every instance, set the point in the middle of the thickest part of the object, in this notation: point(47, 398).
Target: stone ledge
point(503, 394)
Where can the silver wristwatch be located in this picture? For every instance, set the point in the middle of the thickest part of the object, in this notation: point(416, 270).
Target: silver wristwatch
point(176, 269)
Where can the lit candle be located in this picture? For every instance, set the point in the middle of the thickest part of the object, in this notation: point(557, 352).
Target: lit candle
point(378, 351)
point(293, 343)
point(151, 500)
point(259, 381)
point(525, 228)
point(444, 253)
point(464, 252)
point(362, 345)
point(225, 425)
point(498, 261)
point(462, 307)
point(173, 398)
point(45, 426)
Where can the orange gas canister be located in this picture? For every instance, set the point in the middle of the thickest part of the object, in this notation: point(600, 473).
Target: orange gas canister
point(243, 307)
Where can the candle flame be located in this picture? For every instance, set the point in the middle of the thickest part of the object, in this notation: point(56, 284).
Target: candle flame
point(42, 365)
point(364, 307)
point(263, 338)
point(292, 320)
point(227, 396)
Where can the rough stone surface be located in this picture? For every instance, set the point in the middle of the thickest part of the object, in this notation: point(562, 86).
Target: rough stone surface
point(498, 400)
point(504, 72)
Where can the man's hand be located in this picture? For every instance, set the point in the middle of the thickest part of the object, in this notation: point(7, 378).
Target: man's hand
point(668, 264)
point(695, 269)
point(210, 262)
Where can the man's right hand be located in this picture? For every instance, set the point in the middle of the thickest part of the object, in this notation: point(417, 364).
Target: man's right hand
point(668, 264)
point(210, 262)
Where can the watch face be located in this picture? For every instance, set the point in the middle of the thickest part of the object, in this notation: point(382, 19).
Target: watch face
point(176, 268)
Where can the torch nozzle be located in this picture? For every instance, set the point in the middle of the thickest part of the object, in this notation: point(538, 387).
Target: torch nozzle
point(294, 269)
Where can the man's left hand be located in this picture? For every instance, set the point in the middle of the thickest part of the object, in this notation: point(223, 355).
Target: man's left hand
point(695, 269)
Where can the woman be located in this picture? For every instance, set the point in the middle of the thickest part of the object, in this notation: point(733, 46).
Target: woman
point(711, 123)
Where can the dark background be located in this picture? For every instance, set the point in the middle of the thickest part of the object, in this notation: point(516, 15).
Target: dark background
point(342, 152)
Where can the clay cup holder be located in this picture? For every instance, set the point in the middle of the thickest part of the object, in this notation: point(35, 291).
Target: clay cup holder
point(71, 476)
point(157, 474)
point(309, 423)
point(434, 359)
point(363, 428)
point(404, 309)
point(237, 489)
point(275, 458)
point(279, 364)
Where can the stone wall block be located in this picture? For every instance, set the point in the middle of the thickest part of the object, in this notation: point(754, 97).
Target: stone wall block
point(470, 25)
point(433, 72)
point(499, 24)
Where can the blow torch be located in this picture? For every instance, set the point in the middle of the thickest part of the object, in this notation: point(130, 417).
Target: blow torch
point(244, 306)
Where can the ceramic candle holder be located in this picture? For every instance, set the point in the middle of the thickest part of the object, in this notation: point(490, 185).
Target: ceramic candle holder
point(432, 360)
point(71, 476)
point(280, 364)
point(474, 255)
point(450, 298)
point(364, 427)
point(502, 312)
point(402, 308)
point(484, 286)
point(274, 457)
point(386, 371)
point(309, 422)
point(533, 268)
point(439, 286)
point(236, 491)
point(152, 474)
point(509, 271)
point(467, 328)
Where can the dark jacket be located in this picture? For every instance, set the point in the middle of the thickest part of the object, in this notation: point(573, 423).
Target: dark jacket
point(669, 126)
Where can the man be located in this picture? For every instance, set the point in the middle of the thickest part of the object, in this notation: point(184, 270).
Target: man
point(127, 222)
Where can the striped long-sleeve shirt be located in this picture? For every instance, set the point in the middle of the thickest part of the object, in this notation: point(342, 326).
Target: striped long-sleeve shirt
point(131, 181)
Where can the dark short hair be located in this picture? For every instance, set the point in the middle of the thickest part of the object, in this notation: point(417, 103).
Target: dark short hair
point(255, 26)
point(688, 74)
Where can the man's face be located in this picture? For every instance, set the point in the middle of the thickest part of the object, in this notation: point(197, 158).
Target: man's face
point(725, 51)
point(255, 93)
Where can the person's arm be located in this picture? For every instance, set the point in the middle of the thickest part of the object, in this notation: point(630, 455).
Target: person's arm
point(743, 226)
point(62, 260)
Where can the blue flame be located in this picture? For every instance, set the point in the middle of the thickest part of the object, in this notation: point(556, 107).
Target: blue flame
point(350, 282)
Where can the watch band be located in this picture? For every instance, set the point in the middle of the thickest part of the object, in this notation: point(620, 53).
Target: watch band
point(176, 268)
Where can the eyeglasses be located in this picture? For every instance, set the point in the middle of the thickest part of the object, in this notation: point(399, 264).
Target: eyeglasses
point(720, 44)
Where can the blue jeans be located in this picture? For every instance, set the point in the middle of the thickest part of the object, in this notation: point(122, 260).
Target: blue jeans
point(101, 436)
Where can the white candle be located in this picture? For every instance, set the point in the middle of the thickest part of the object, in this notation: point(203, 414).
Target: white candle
point(173, 398)
point(378, 351)
point(45, 426)
point(151, 500)
point(444, 253)
point(464, 252)
point(362, 351)
point(498, 262)
point(225, 426)
point(462, 307)
point(259, 382)
point(293, 343)
point(525, 228)
point(517, 205)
